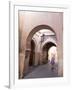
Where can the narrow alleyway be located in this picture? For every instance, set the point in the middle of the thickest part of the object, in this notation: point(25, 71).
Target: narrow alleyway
point(43, 71)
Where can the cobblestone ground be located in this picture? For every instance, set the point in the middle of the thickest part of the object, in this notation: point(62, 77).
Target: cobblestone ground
point(43, 71)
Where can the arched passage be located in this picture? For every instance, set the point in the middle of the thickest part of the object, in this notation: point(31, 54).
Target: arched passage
point(49, 40)
point(36, 29)
point(45, 50)
point(29, 45)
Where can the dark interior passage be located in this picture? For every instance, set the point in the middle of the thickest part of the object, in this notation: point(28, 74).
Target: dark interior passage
point(32, 54)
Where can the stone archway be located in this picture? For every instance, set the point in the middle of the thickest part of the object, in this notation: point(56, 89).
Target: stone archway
point(36, 29)
point(28, 44)
point(45, 50)
point(49, 40)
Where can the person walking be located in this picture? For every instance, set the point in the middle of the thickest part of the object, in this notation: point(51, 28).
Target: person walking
point(52, 63)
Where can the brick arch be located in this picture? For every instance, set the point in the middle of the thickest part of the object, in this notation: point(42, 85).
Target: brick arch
point(36, 29)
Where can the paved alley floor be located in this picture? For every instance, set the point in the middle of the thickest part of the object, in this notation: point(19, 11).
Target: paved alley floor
point(42, 71)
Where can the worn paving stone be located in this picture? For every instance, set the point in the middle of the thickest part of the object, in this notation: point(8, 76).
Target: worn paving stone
point(43, 71)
